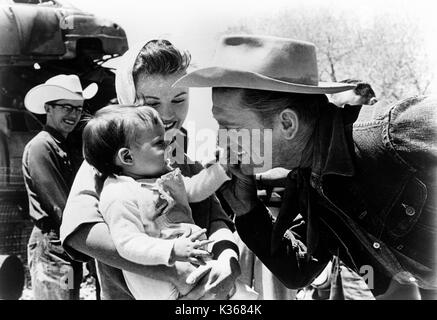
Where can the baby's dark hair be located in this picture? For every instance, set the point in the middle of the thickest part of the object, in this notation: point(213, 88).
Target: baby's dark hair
point(112, 128)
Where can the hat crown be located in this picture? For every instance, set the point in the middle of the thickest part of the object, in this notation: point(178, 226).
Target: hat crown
point(279, 58)
point(263, 63)
point(69, 82)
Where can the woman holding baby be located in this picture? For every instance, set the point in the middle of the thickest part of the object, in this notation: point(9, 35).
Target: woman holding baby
point(146, 79)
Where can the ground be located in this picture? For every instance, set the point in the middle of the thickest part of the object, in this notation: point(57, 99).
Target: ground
point(87, 290)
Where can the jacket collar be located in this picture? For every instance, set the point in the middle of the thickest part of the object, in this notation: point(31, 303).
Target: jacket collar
point(54, 133)
point(333, 145)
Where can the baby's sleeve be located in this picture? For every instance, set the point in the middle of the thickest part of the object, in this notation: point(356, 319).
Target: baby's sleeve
point(123, 216)
point(205, 183)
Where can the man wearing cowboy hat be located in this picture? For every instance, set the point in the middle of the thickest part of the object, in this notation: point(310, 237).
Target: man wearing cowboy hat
point(48, 176)
point(363, 190)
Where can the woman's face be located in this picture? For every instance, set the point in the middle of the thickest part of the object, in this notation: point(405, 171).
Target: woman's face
point(171, 103)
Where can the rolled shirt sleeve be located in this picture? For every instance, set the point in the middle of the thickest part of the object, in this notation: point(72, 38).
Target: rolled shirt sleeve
point(204, 184)
point(210, 210)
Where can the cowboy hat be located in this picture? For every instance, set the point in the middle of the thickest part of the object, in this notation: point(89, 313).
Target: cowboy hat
point(263, 63)
point(65, 87)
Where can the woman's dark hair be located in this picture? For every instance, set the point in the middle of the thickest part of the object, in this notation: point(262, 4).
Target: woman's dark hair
point(160, 57)
point(112, 128)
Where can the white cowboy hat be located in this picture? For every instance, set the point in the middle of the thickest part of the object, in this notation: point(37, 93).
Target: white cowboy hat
point(263, 63)
point(59, 87)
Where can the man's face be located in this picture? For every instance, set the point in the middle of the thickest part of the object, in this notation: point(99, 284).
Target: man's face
point(63, 115)
point(230, 114)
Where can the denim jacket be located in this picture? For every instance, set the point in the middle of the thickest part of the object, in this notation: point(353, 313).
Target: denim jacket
point(370, 192)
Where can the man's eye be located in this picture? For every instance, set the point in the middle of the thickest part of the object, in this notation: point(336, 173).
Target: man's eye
point(152, 104)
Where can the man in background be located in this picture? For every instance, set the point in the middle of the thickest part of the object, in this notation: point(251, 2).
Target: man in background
point(48, 175)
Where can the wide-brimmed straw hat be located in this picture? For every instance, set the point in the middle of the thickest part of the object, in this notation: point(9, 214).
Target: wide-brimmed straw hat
point(60, 87)
point(263, 63)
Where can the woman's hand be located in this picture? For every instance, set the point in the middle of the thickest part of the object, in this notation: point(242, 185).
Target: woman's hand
point(181, 272)
point(221, 279)
point(218, 282)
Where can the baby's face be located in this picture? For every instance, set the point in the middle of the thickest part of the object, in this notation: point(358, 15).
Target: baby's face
point(148, 152)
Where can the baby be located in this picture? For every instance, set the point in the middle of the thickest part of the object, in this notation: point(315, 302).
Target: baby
point(143, 200)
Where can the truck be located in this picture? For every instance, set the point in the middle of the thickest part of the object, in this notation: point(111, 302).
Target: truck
point(40, 39)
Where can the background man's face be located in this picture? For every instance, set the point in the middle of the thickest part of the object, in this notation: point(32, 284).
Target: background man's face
point(63, 115)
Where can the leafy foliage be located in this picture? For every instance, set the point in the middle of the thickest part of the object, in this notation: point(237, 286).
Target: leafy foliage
point(386, 51)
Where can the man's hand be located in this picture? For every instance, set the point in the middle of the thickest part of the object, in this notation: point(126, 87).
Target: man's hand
point(240, 192)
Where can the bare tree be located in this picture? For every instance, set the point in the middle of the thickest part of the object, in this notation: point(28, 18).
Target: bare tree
point(386, 52)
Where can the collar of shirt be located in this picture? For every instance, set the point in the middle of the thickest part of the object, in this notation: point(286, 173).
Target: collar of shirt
point(333, 145)
point(55, 134)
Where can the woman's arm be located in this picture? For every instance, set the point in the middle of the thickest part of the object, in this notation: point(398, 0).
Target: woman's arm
point(227, 269)
point(94, 240)
point(84, 233)
point(205, 183)
point(224, 270)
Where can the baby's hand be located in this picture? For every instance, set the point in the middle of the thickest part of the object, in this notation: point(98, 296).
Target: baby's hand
point(190, 248)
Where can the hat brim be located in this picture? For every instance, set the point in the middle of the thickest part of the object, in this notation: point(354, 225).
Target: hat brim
point(221, 77)
point(37, 97)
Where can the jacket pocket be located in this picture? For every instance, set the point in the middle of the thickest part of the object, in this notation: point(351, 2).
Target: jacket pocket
point(407, 210)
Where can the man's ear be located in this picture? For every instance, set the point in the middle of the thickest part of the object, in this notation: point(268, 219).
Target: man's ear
point(289, 124)
point(46, 108)
point(124, 157)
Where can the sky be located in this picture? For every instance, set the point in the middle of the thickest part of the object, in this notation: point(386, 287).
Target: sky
point(198, 21)
point(194, 24)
